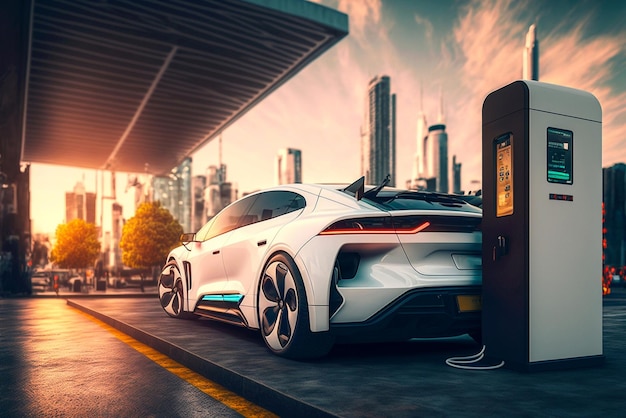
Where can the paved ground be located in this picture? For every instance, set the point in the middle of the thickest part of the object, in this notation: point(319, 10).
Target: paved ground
point(401, 380)
point(55, 361)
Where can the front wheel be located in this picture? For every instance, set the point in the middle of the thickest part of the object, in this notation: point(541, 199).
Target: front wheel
point(171, 292)
point(284, 315)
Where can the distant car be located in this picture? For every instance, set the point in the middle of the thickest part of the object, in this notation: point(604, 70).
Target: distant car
point(40, 281)
point(311, 265)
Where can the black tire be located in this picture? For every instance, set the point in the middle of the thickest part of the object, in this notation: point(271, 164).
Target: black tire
point(284, 315)
point(171, 292)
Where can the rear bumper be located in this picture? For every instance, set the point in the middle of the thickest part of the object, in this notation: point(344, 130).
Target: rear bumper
point(419, 313)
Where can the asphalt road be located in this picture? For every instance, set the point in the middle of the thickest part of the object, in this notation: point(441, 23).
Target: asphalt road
point(56, 361)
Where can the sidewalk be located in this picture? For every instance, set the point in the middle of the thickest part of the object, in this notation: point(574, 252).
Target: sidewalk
point(149, 291)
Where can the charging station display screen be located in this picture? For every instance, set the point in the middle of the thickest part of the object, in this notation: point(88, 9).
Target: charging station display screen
point(559, 164)
point(503, 147)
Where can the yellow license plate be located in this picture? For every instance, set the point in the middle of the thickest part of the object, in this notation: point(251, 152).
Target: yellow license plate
point(469, 303)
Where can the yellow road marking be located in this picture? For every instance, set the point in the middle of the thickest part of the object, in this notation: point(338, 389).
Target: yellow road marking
point(214, 390)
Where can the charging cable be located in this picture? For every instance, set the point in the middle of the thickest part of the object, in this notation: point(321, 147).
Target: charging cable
point(466, 362)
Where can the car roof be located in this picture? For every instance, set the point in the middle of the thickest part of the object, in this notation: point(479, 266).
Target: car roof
point(316, 187)
point(335, 192)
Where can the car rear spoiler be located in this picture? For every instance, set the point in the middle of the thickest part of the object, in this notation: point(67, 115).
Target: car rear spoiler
point(356, 189)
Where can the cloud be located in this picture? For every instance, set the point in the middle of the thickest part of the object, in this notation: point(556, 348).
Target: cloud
point(572, 60)
point(486, 57)
point(489, 38)
point(429, 30)
point(363, 15)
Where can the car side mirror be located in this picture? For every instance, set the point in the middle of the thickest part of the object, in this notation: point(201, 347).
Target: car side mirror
point(186, 238)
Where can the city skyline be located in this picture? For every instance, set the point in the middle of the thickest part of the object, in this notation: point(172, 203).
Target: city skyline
point(468, 49)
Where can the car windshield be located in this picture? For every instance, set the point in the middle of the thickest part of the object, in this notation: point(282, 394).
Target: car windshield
point(388, 199)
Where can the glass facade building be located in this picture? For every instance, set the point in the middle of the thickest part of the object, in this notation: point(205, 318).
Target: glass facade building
point(174, 193)
point(80, 204)
point(378, 148)
point(614, 198)
point(438, 141)
point(289, 166)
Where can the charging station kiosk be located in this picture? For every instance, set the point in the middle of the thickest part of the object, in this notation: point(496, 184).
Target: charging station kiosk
point(542, 227)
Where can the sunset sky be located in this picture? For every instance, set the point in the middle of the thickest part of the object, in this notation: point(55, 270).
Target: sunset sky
point(466, 49)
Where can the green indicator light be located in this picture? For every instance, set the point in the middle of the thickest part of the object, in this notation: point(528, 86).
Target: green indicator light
point(558, 175)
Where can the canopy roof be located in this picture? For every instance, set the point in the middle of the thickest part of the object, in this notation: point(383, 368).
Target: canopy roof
point(116, 84)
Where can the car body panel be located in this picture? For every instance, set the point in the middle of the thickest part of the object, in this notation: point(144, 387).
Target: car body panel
point(245, 252)
point(208, 275)
point(431, 253)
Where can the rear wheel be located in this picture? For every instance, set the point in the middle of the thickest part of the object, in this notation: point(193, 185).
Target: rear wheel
point(284, 315)
point(172, 291)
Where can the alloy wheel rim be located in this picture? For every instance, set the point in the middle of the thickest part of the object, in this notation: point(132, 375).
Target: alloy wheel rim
point(170, 291)
point(278, 305)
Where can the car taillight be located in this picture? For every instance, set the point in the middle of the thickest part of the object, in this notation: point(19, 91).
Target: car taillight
point(380, 225)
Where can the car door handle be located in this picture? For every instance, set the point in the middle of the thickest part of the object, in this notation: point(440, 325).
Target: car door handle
point(216, 252)
point(261, 243)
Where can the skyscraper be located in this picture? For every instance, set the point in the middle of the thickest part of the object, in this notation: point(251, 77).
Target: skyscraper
point(174, 193)
point(430, 171)
point(419, 173)
point(80, 204)
point(530, 55)
point(218, 192)
point(614, 198)
point(198, 218)
point(456, 176)
point(289, 166)
point(438, 137)
point(378, 136)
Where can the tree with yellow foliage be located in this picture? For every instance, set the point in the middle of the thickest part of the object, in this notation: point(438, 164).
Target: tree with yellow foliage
point(149, 236)
point(76, 245)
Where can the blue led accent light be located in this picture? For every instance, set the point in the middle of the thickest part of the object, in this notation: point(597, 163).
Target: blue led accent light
point(223, 298)
point(233, 298)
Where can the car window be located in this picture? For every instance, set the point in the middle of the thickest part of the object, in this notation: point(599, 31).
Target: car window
point(272, 204)
point(203, 232)
point(228, 218)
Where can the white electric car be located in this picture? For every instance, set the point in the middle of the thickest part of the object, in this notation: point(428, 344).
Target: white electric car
point(311, 265)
